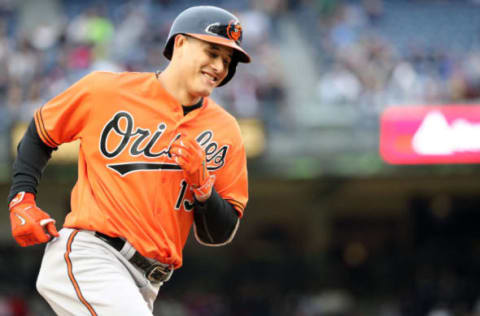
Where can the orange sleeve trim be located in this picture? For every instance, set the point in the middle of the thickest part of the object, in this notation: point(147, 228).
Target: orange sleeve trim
point(42, 131)
point(72, 277)
point(236, 204)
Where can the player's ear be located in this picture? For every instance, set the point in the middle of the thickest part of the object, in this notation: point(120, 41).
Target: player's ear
point(179, 42)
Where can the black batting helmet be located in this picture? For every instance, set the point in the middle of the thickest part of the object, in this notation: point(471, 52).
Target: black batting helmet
point(211, 24)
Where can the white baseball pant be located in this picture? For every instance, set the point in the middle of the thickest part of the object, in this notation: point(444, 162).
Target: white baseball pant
point(81, 275)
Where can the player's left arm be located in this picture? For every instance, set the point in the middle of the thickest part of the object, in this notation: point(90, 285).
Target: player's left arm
point(215, 221)
point(220, 198)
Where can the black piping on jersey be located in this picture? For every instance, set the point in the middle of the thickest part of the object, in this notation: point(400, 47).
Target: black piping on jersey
point(43, 131)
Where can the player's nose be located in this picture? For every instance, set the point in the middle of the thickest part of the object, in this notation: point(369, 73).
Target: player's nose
point(219, 67)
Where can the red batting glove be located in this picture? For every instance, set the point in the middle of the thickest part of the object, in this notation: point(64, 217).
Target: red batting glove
point(191, 158)
point(30, 225)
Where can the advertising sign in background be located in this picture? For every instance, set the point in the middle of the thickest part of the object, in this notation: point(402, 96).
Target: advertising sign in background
point(430, 134)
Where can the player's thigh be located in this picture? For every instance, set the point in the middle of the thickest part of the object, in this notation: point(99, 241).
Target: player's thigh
point(79, 278)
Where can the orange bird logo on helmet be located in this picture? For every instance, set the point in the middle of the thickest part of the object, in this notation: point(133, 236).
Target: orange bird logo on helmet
point(234, 30)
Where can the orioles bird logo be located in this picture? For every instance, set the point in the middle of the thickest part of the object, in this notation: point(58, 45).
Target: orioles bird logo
point(234, 30)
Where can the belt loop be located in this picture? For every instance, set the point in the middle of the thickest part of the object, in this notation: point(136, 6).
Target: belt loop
point(127, 250)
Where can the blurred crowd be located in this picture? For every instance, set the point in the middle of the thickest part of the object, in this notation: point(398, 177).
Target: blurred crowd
point(41, 58)
point(375, 53)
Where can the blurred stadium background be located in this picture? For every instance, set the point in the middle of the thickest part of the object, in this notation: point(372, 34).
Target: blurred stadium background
point(331, 228)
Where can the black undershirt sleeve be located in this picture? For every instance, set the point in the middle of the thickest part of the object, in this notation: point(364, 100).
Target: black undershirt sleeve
point(215, 219)
point(32, 157)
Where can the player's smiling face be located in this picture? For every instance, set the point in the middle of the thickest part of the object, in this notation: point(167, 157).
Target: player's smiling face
point(205, 67)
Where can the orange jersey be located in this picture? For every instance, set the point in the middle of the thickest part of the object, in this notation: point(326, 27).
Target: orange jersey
point(128, 185)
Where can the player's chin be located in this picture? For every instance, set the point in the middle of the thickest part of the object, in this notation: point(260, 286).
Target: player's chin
point(205, 90)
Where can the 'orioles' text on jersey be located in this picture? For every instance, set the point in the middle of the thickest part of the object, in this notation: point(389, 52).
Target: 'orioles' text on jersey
point(128, 185)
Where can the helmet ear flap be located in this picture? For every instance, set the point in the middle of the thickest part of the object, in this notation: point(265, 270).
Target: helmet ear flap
point(231, 71)
point(168, 51)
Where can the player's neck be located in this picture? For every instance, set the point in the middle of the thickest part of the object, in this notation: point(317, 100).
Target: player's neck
point(176, 88)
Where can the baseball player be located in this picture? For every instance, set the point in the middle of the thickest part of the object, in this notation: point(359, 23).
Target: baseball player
point(156, 156)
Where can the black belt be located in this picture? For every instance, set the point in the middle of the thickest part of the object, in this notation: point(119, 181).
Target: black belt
point(154, 271)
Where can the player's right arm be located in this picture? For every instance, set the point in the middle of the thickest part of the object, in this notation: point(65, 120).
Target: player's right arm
point(30, 225)
point(60, 120)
